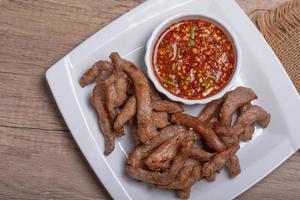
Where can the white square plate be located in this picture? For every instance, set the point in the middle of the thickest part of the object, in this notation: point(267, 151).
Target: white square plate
point(261, 70)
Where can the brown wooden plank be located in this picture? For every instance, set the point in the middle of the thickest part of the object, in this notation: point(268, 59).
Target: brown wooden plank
point(35, 35)
point(39, 164)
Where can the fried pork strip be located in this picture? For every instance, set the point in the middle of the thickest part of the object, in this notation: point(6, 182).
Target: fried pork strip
point(121, 90)
point(127, 112)
point(162, 155)
point(218, 161)
point(160, 178)
point(249, 130)
point(210, 137)
point(154, 94)
point(90, 75)
point(166, 177)
point(248, 133)
point(104, 122)
point(234, 166)
point(252, 115)
point(234, 100)
point(230, 141)
point(184, 194)
point(208, 113)
point(211, 110)
point(188, 176)
point(166, 106)
point(142, 151)
point(146, 129)
point(110, 98)
point(118, 64)
point(200, 154)
point(230, 135)
point(160, 119)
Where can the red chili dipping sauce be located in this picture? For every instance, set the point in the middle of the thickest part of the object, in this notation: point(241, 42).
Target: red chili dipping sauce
point(193, 59)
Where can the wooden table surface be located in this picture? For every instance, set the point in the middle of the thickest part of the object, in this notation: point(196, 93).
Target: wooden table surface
point(39, 158)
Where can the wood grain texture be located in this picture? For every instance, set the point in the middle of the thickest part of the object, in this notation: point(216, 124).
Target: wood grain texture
point(39, 158)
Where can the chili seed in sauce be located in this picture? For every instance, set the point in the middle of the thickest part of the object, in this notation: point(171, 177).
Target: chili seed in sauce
point(193, 59)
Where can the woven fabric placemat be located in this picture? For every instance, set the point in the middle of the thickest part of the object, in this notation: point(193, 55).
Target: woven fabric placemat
point(281, 29)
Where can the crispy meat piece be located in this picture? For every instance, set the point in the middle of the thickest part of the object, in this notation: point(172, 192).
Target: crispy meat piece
point(160, 157)
point(146, 129)
point(237, 98)
point(245, 107)
point(121, 90)
point(252, 115)
point(166, 177)
point(154, 94)
point(90, 75)
point(200, 154)
point(127, 112)
point(233, 162)
point(180, 179)
point(248, 133)
point(210, 137)
point(115, 93)
point(106, 82)
point(119, 133)
point(196, 176)
point(249, 130)
point(213, 123)
point(218, 161)
point(227, 131)
point(234, 166)
point(142, 151)
point(104, 122)
point(190, 174)
point(118, 62)
point(183, 194)
point(160, 119)
point(110, 98)
point(130, 88)
point(230, 141)
point(211, 109)
point(166, 106)
point(211, 177)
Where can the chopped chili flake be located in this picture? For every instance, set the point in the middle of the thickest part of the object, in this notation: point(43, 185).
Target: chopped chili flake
point(194, 59)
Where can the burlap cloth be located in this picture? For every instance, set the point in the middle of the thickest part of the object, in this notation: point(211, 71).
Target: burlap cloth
point(281, 29)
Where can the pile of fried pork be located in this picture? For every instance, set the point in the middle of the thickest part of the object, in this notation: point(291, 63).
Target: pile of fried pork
point(174, 150)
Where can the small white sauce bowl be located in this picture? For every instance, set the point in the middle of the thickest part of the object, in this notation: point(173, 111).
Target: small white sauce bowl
point(185, 16)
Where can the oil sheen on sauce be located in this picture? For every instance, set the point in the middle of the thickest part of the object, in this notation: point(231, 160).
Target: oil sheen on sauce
point(193, 59)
